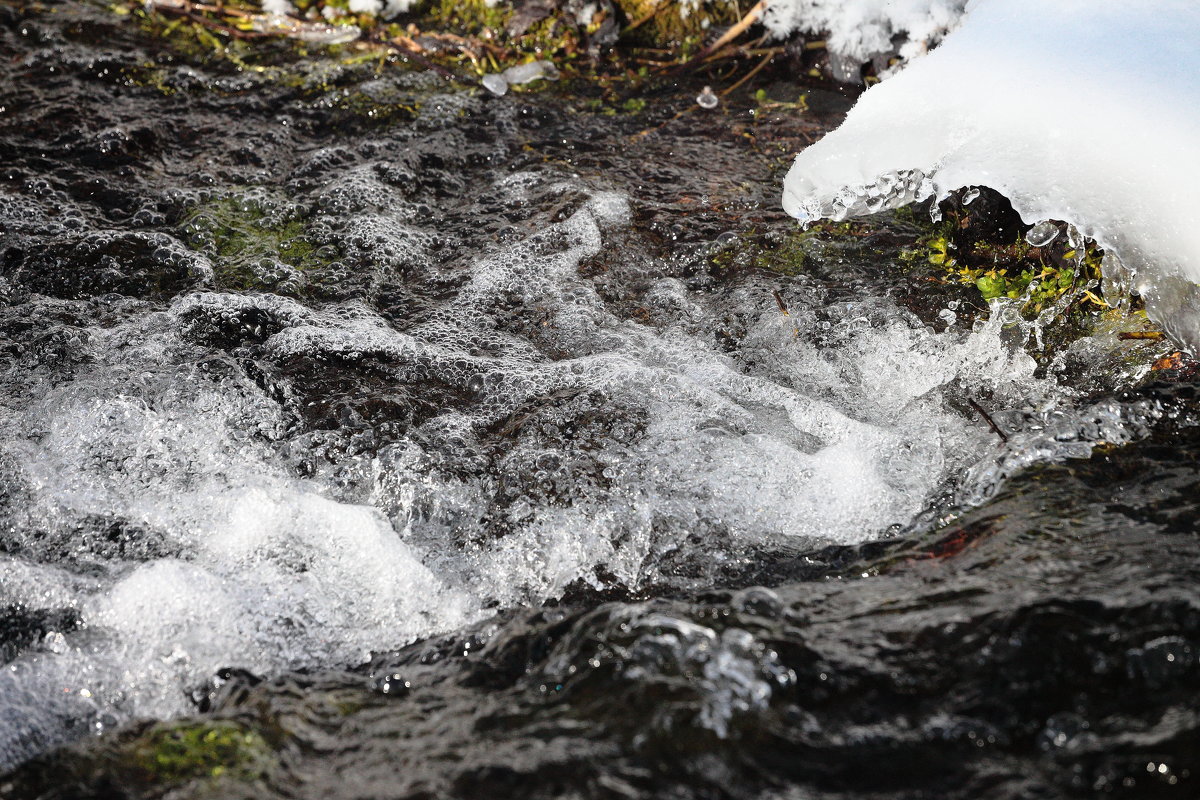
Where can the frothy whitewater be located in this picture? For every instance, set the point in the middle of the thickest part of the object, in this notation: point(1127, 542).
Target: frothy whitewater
point(154, 496)
point(287, 387)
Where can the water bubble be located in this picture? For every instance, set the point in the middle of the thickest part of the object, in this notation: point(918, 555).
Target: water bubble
point(1062, 731)
point(707, 98)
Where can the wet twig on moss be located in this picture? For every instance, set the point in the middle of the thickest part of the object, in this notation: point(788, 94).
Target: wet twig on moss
point(188, 11)
point(659, 7)
point(759, 68)
point(410, 49)
point(734, 31)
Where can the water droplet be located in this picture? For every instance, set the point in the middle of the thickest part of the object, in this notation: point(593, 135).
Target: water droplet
point(393, 684)
point(707, 98)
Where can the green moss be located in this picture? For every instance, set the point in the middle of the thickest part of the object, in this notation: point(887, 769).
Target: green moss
point(457, 35)
point(660, 23)
point(1038, 278)
point(468, 16)
point(764, 102)
point(242, 234)
point(178, 752)
point(787, 259)
point(1010, 268)
point(634, 105)
point(784, 255)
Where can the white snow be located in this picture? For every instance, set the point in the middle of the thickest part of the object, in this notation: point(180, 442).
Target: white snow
point(281, 8)
point(1086, 111)
point(384, 8)
point(858, 30)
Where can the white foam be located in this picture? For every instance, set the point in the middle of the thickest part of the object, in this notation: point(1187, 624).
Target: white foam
point(155, 489)
point(1080, 110)
point(244, 566)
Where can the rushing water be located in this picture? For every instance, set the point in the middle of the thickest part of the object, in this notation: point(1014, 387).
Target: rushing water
point(432, 437)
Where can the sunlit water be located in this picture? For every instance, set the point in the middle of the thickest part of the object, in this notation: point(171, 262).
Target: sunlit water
point(482, 383)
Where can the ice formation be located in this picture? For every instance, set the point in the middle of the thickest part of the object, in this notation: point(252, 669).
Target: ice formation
point(1086, 111)
point(498, 83)
point(859, 30)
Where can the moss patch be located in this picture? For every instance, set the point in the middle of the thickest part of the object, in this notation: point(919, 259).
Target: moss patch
point(196, 758)
point(255, 243)
point(623, 40)
point(1038, 277)
point(985, 247)
point(661, 23)
point(788, 253)
point(178, 752)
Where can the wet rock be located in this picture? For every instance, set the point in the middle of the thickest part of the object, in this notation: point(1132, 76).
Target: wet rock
point(122, 262)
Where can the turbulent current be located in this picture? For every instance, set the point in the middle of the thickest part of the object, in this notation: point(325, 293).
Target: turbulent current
point(429, 439)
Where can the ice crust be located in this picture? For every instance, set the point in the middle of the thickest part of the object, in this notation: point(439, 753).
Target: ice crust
point(153, 489)
point(1084, 111)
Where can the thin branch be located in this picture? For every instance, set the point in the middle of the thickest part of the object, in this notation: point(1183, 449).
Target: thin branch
point(988, 419)
point(735, 30)
point(749, 75)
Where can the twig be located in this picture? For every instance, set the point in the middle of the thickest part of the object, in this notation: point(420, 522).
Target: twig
point(412, 53)
point(749, 75)
point(187, 13)
point(988, 419)
point(784, 310)
point(735, 30)
point(649, 15)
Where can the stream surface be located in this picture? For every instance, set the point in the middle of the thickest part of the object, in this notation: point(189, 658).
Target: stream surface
point(443, 444)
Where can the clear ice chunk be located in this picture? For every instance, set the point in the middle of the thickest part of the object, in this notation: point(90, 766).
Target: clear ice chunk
point(1042, 234)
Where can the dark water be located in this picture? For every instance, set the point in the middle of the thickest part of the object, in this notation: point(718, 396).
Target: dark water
point(411, 442)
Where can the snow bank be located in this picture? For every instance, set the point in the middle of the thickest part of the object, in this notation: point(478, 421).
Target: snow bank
point(1086, 111)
